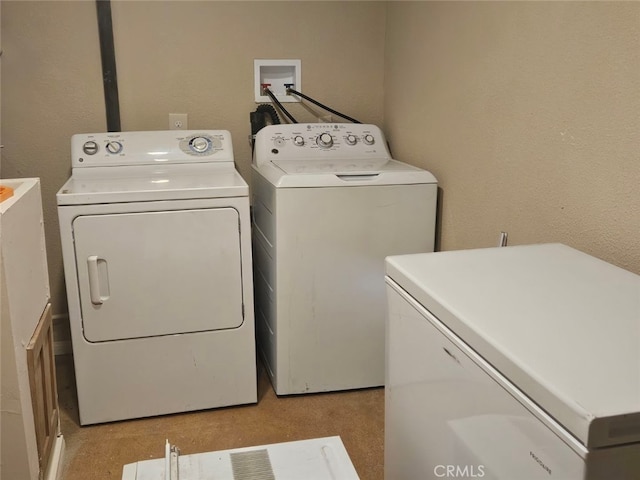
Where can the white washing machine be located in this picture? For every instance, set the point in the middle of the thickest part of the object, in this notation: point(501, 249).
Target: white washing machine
point(329, 204)
point(155, 230)
point(512, 363)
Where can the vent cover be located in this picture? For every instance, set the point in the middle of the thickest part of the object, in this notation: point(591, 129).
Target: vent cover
point(254, 465)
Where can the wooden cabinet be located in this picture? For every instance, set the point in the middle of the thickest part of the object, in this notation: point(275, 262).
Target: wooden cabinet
point(31, 443)
point(42, 380)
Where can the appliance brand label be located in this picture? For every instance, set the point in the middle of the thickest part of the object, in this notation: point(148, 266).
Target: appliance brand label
point(540, 462)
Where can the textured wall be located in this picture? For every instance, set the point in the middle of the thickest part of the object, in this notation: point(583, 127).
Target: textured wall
point(172, 57)
point(528, 113)
point(51, 89)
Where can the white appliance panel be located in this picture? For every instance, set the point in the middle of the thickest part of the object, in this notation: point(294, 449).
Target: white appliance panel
point(495, 359)
point(444, 410)
point(146, 183)
point(301, 142)
point(158, 273)
point(514, 303)
point(155, 230)
point(89, 150)
point(328, 262)
point(313, 459)
point(329, 204)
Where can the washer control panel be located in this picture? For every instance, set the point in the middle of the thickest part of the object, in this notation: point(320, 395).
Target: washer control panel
point(150, 148)
point(308, 141)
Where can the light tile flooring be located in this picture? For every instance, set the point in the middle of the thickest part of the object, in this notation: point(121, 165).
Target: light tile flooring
point(98, 452)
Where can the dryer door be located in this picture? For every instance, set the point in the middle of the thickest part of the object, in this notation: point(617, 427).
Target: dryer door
point(158, 273)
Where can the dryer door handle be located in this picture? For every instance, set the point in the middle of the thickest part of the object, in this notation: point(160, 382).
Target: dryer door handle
point(98, 291)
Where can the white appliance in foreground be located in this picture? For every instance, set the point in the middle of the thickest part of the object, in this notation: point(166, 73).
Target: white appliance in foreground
point(315, 459)
point(329, 204)
point(512, 363)
point(155, 235)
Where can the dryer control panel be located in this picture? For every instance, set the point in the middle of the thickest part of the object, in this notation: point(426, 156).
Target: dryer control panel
point(150, 148)
point(321, 141)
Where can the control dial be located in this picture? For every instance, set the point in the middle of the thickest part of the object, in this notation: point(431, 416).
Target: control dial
point(199, 144)
point(298, 141)
point(114, 147)
point(90, 147)
point(369, 139)
point(325, 140)
point(351, 139)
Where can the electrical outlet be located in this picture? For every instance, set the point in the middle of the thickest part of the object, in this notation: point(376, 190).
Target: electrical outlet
point(178, 121)
point(277, 74)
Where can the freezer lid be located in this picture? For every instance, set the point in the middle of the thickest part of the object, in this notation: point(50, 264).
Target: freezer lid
point(563, 326)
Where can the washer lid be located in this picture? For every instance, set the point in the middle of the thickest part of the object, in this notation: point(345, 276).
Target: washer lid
point(341, 173)
point(562, 326)
point(144, 183)
point(337, 166)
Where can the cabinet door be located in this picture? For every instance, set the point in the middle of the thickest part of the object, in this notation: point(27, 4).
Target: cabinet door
point(42, 380)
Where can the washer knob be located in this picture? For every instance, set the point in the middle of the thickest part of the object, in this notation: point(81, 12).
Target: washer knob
point(279, 141)
point(298, 141)
point(200, 144)
point(90, 147)
point(369, 139)
point(351, 139)
point(325, 140)
point(114, 147)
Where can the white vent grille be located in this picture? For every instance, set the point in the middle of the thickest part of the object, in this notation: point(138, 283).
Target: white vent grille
point(254, 465)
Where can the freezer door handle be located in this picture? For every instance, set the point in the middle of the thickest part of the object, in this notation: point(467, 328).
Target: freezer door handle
point(98, 291)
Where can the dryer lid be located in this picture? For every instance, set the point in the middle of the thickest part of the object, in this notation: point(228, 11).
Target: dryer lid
point(144, 183)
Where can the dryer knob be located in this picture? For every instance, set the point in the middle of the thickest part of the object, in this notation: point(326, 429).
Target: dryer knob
point(90, 147)
point(325, 140)
point(369, 139)
point(199, 144)
point(114, 147)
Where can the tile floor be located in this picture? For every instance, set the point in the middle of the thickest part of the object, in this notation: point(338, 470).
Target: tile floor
point(98, 452)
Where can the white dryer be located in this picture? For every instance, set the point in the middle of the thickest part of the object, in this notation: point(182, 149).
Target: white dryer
point(329, 204)
point(155, 232)
point(512, 363)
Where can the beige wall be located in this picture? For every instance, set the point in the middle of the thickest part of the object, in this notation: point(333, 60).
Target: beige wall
point(528, 114)
point(172, 57)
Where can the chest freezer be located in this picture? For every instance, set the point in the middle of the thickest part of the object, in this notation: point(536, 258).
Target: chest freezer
point(517, 362)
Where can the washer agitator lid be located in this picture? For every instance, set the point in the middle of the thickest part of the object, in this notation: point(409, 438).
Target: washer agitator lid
point(562, 326)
